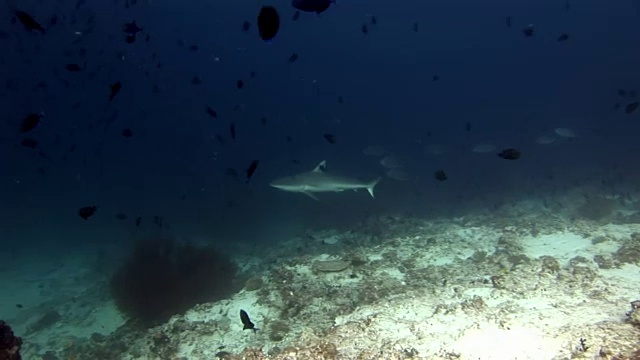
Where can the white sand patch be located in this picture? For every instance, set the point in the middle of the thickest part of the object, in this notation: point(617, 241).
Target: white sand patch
point(562, 246)
point(517, 343)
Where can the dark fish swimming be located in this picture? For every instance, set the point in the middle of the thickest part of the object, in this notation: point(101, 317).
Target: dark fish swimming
point(293, 57)
point(316, 6)
point(29, 143)
point(331, 139)
point(87, 211)
point(440, 175)
point(246, 322)
point(563, 37)
point(252, 169)
point(632, 107)
point(72, 67)
point(212, 112)
point(30, 122)
point(126, 132)
point(114, 89)
point(510, 154)
point(131, 28)
point(268, 23)
point(232, 131)
point(528, 30)
point(29, 22)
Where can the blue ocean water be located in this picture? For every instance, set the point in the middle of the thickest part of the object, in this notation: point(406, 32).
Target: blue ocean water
point(422, 87)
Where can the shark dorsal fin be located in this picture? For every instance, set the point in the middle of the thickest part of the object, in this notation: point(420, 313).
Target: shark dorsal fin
point(320, 167)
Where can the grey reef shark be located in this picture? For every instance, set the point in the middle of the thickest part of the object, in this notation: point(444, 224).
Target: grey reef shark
point(318, 180)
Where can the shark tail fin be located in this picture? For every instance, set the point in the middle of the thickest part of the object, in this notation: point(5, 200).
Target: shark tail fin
point(372, 186)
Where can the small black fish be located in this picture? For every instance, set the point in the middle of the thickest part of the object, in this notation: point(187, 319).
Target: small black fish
point(72, 67)
point(158, 221)
point(268, 23)
point(130, 39)
point(252, 169)
point(138, 221)
point(508, 21)
point(415, 27)
point(231, 172)
point(114, 90)
point(196, 81)
point(435, 78)
point(622, 92)
point(232, 131)
point(293, 57)
point(126, 132)
point(374, 20)
point(246, 322)
point(29, 22)
point(364, 29)
point(121, 216)
point(296, 15)
point(263, 120)
point(19, 306)
point(440, 175)
point(528, 31)
point(467, 127)
point(510, 154)
point(246, 26)
point(212, 112)
point(194, 48)
point(131, 28)
point(239, 84)
point(29, 143)
point(316, 6)
point(30, 122)
point(340, 100)
point(330, 138)
point(563, 37)
point(632, 107)
point(87, 211)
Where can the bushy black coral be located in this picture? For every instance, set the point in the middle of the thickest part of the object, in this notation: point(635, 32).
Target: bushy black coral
point(163, 278)
point(9, 343)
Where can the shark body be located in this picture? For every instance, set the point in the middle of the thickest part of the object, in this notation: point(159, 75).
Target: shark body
point(317, 180)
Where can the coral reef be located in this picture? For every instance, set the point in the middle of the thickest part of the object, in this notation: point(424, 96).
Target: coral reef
point(163, 278)
point(633, 316)
point(9, 343)
point(597, 208)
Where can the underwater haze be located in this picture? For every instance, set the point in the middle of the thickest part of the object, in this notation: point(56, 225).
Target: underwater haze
point(281, 135)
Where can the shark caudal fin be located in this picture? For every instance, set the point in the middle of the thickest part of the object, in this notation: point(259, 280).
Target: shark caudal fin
point(372, 186)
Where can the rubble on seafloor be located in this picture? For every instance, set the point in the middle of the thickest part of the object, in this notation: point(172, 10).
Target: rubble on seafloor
point(489, 287)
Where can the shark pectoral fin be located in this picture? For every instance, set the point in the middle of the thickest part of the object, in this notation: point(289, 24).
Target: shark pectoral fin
point(372, 186)
point(311, 195)
point(320, 167)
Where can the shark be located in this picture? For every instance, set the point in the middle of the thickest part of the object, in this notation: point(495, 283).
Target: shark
point(318, 180)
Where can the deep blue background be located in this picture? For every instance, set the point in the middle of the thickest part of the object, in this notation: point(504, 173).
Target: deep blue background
point(508, 87)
